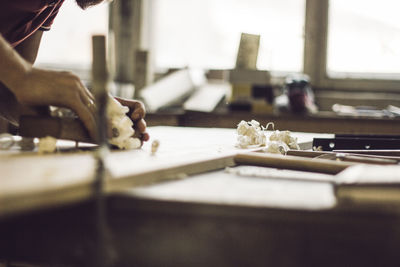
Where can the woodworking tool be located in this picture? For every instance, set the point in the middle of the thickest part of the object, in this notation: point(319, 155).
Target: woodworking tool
point(60, 128)
point(362, 158)
point(291, 162)
point(357, 142)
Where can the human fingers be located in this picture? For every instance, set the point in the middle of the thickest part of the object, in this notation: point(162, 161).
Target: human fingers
point(140, 131)
point(89, 121)
point(87, 100)
point(145, 137)
point(86, 113)
point(88, 93)
point(138, 112)
point(140, 126)
point(137, 109)
point(83, 104)
point(83, 89)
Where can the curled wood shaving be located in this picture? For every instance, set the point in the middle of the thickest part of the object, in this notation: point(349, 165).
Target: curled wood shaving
point(252, 134)
point(122, 126)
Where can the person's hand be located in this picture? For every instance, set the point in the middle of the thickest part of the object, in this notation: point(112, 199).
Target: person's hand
point(41, 87)
point(137, 113)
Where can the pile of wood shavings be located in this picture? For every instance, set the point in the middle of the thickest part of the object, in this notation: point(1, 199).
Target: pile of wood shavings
point(122, 125)
point(253, 134)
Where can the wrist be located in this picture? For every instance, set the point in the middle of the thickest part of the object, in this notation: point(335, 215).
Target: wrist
point(18, 77)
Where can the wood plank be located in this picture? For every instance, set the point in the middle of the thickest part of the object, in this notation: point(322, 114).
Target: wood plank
point(32, 181)
point(272, 189)
point(29, 181)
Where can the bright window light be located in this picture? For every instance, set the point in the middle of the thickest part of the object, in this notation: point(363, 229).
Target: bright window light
point(364, 37)
point(68, 43)
point(206, 33)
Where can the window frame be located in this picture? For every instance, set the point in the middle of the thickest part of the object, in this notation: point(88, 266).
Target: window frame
point(316, 52)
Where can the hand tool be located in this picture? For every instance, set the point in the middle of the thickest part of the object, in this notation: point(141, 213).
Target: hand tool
point(60, 128)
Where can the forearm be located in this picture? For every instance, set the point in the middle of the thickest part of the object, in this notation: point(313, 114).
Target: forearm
point(12, 66)
point(9, 106)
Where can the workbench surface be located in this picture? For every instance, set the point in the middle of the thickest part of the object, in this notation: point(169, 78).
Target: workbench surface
point(30, 181)
point(239, 216)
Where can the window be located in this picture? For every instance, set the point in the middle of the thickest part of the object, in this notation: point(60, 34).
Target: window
point(356, 57)
point(68, 43)
point(364, 38)
point(206, 33)
point(340, 44)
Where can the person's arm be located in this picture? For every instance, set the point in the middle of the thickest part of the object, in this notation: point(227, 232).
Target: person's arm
point(10, 109)
point(37, 87)
point(32, 87)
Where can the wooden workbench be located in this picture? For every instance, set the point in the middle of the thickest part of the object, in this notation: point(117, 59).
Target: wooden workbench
point(30, 181)
point(215, 218)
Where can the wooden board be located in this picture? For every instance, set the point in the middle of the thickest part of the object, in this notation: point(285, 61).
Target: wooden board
point(247, 186)
point(29, 181)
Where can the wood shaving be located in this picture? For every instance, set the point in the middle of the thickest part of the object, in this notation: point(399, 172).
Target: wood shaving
point(154, 147)
point(286, 138)
point(122, 125)
point(276, 147)
point(252, 134)
point(47, 144)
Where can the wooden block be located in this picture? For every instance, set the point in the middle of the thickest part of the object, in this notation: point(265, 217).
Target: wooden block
point(168, 90)
point(241, 92)
point(207, 97)
point(248, 51)
point(260, 77)
point(260, 106)
point(60, 128)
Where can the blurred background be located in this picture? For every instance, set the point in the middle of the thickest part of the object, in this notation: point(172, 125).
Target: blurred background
point(349, 50)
